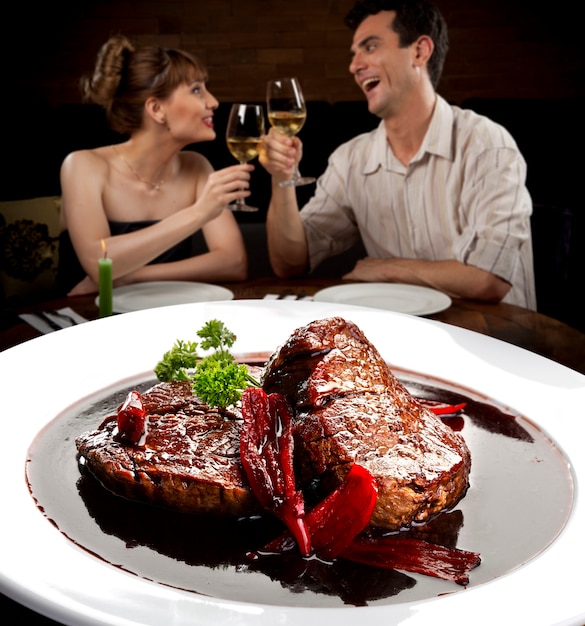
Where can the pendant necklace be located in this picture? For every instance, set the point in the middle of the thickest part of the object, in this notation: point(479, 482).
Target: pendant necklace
point(155, 186)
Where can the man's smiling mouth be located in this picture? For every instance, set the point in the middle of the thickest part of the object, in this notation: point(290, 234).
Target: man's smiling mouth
point(369, 84)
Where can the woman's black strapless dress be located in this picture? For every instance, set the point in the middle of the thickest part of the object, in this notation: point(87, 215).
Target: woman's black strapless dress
point(70, 272)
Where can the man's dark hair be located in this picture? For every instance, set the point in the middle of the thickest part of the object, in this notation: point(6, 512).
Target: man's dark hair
point(413, 19)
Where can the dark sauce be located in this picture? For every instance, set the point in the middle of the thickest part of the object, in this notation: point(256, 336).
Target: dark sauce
point(519, 479)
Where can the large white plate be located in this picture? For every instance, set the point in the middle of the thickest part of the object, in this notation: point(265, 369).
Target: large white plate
point(47, 572)
point(139, 296)
point(411, 299)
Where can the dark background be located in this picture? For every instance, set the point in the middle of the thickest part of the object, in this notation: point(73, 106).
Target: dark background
point(499, 48)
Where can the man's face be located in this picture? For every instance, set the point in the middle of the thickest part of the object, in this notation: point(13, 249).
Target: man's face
point(384, 71)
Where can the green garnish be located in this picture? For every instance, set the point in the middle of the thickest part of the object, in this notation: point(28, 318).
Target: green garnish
point(217, 379)
point(177, 361)
point(215, 335)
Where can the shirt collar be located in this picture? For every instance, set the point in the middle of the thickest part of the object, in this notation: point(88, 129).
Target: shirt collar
point(438, 140)
point(380, 152)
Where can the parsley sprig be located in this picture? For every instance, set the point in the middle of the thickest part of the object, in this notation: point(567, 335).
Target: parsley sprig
point(217, 378)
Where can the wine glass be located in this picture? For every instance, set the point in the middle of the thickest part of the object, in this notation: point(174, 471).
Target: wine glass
point(287, 113)
point(243, 136)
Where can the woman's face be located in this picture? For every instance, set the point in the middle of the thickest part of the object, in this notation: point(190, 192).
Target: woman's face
point(189, 112)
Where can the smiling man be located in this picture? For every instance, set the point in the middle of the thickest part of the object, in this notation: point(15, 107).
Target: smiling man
point(436, 193)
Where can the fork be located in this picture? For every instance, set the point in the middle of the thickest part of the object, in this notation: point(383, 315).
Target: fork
point(49, 316)
point(64, 317)
point(287, 295)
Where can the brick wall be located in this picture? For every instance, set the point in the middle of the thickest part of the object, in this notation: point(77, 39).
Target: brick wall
point(498, 47)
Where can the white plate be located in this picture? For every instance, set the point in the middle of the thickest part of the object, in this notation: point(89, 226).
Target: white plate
point(411, 299)
point(141, 296)
point(46, 571)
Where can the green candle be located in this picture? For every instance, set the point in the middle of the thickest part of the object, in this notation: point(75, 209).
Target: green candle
point(105, 284)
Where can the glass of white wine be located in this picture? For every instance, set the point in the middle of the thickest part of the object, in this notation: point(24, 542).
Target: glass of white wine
point(287, 113)
point(243, 137)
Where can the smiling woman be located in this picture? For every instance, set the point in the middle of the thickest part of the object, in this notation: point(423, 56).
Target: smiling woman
point(145, 197)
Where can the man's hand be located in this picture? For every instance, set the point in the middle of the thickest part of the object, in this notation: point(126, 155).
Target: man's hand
point(279, 154)
point(370, 270)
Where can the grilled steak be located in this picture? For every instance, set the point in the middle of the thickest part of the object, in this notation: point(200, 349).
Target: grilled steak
point(190, 460)
point(352, 409)
point(323, 359)
point(421, 466)
point(349, 409)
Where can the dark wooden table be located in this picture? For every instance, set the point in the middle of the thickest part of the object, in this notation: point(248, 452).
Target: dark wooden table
point(521, 327)
point(516, 325)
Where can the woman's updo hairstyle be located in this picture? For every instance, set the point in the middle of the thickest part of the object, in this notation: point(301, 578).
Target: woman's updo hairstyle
point(126, 75)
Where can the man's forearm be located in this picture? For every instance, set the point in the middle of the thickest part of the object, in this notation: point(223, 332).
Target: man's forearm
point(450, 276)
point(287, 244)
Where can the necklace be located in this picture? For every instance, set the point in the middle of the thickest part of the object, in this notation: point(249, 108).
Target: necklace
point(155, 186)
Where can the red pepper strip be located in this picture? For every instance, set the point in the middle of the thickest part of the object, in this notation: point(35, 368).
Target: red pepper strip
point(338, 518)
point(131, 419)
point(413, 555)
point(266, 450)
point(343, 514)
point(444, 409)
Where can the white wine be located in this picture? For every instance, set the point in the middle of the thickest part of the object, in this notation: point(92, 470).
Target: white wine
point(244, 149)
point(286, 122)
point(287, 114)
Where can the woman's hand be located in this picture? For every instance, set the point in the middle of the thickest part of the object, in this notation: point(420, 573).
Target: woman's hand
point(86, 286)
point(279, 154)
point(221, 188)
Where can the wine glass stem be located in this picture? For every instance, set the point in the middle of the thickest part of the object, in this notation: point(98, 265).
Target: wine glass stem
point(296, 176)
point(240, 201)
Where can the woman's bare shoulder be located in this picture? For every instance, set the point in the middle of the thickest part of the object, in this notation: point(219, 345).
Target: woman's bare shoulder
point(192, 161)
point(95, 157)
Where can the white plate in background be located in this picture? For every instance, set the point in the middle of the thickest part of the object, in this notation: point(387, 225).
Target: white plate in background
point(411, 299)
point(139, 296)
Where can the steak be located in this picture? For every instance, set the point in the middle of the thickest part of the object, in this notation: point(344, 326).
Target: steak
point(420, 465)
point(323, 359)
point(350, 409)
point(189, 461)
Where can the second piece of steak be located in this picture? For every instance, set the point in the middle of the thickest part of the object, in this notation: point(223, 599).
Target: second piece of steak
point(325, 358)
point(352, 409)
point(421, 465)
